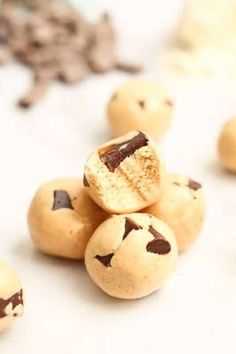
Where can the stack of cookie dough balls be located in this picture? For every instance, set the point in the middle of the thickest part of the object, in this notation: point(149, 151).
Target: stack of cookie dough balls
point(227, 146)
point(11, 297)
point(140, 105)
point(127, 218)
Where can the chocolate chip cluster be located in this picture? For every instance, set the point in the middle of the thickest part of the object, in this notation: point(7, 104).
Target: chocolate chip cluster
point(57, 42)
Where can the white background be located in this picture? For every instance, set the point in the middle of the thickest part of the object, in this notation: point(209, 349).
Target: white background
point(64, 311)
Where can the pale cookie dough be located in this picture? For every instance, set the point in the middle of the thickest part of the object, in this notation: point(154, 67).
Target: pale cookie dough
point(140, 105)
point(227, 146)
point(11, 297)
point(62, 217)
point(182, 206)
point(125, 174)
point(205, 39)
point(131, 256)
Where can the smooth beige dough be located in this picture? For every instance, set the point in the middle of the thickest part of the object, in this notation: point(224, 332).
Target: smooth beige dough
point(125, 174)
point(182, 206)
point(62, 217)
point(227, 146)
point(131, 256)
point(11, 297)
point(140, 105)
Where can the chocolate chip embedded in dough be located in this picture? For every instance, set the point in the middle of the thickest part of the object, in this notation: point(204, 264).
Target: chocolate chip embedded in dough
point(15, 300)
point(85, 181)
point(61, 200)
point(169, 103)
point(129, 226)
point(141, 104)
point(194, 185)
point(105, 260)
point(113, 155)
point(160, 245)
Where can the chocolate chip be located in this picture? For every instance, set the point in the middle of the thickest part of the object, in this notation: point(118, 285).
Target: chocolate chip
point(113, 97)
point(113, 155)
point(177, 184)
point(194, 185)
point(61, 200)
point(160, 245)
point(15, 300)
point(142, 104)
point(129, 68)
point(105, 260)
point(129, 226)
point(3, 35)
point(169, 103)
point(86, 184)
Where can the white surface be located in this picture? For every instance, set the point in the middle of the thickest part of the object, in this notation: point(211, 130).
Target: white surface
point(64, 311)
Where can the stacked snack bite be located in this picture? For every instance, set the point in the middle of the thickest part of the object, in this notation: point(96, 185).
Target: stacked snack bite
point(182, 206)
point(62, 217)
point(125, 174)
point(11, 297)
point(131, 256)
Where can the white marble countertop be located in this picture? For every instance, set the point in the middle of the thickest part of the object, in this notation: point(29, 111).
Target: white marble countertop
point(64, 311)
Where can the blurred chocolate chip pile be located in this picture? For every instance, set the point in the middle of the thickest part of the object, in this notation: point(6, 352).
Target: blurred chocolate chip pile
point(57, 42)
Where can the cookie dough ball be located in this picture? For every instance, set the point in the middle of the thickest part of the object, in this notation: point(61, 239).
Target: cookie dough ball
point(62, 217)
point(125, 174)
point(140, 105)
point(131, 256)
point(11, 297)
point(182, 206)
point(227, 146)
point(208, 23)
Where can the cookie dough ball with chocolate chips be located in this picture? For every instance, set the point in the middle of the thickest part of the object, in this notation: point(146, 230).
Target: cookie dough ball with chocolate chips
point(140, 105)
point(11, 297)
point(125, 174)
point(182, 206)
point(62, 217)
point(131, 256)
point(227, 146)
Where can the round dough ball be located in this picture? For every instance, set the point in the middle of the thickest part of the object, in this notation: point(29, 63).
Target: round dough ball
point(227, 146)
point(125, 174)
point(182, 206)
point(140, 105)
point(62, 217)
point(131, 256)
point(11, 297)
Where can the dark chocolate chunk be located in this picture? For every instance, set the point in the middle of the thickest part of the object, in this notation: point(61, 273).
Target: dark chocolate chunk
point(15, 300)
point(61, 200)
point(113, 155)
point(169, 103)
point(129, 226)
point(86, 184)
point(3, 34)
point(177, 184)
point(105, 260)
point(194, 185)
point(113, 97)
point(160, 245)
point(129, 68)
point(142, 104)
